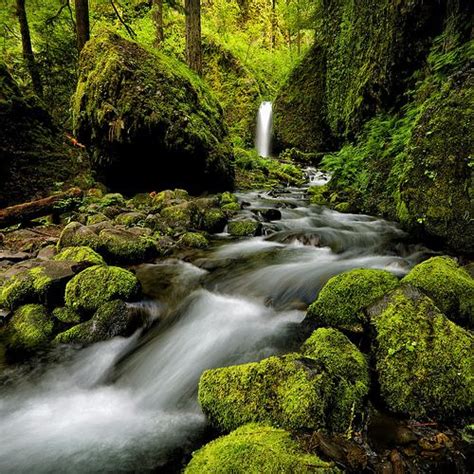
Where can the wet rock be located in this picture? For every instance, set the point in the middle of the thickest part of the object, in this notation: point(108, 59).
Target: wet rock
point(321, 389)
point(193, 240)
point(13, 256)
point(130, 219)
point(29, 329)
point(244, 228)
point(97, 285)
point(269, 214)
point(36, 281)
point(111, 319)
point(448, 285)
point(420, 356)
point(76, 235)
point(80, 254)
point(341, 301)
point(256, 448)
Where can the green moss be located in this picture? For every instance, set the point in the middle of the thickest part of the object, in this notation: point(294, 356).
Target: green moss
point(322, 389)
point(342, 299)
point(284, 391)
point(424, 362)
point(75, 234)
point(256, 449)
point(29, 329)
point(231, 207)
point(110, 320)
point(130, 219)
point(178, 216)
point(193, 240)
point(319, 195)
point(348, 368)
point(66, 315)
point(97, 218)
point(243, 228)
point(213, 220)
point(99, 284)
point(227, 198)
point(120, 246)
point(30, 286)
point(157, 102)
point(449, 286)
point(80, 254)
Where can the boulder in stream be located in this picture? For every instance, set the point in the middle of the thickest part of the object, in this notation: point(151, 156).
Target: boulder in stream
point(150, 121)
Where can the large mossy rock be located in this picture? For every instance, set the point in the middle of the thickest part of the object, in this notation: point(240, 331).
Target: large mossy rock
point(151, 122)
point(80, 254)
point(99, 284)
point(30, 329)
point(256, 449)
point(309, 391)
point(449, 286)
point(424, 361)
point(34, 155)
point(342, 299)
point(436, 187)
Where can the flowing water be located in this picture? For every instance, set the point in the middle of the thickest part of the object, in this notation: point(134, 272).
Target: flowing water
point(130, 404)
point(263, 140)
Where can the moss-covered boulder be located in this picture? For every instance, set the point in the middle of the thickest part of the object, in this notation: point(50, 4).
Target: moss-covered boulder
point(424, 361)
point(349, 371)
point(112, 319)
point(295, 391)
point(436, 190)
point(256, 449)
point(342, 299)
point(194, 240)
point(34, 155)
point(76, 234)
point(448, 285)
point(150, 121)
point(43, 283)
point(30, 329)
point(66, 315)
point(129, 219)
point(244, 228)
point(80, 254)
point(97, 285)
point(126, 246)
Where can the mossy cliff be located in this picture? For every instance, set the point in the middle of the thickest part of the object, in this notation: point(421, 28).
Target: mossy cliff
point(34, 155)
point(396, 93)
point(149, 120)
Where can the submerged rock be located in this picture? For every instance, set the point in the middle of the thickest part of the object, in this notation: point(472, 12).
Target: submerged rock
point(322, 389)
point(342, 299)
point(97, 285)
point(449, 286)
point(424, 362)
point(150, 121)
point(256, 448)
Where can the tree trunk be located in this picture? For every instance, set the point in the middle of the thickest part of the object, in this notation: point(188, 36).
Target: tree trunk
point(193, 35)
point(31, 210)
point(158, 19)
point(28, 54)
point(82, 23)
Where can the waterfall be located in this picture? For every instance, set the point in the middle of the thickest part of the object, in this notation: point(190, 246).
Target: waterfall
point(263, 139)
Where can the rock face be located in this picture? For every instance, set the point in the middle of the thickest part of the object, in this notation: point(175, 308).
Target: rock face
point(256, 448)
point(33, 152)
point(424, 362)
point(150, 121)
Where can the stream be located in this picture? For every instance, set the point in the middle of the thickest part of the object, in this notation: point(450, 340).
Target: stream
point(130, 404)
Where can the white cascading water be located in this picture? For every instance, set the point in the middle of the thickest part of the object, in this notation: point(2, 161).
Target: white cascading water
point(263, 139)
point(129, 405)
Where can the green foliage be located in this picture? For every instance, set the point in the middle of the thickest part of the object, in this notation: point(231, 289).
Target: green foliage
point(424, 362)
point(99, 284)
point(342, 299)
point(449, 286)
point(256, 449)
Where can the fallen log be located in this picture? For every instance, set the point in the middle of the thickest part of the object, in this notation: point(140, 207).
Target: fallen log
point(27, 211)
